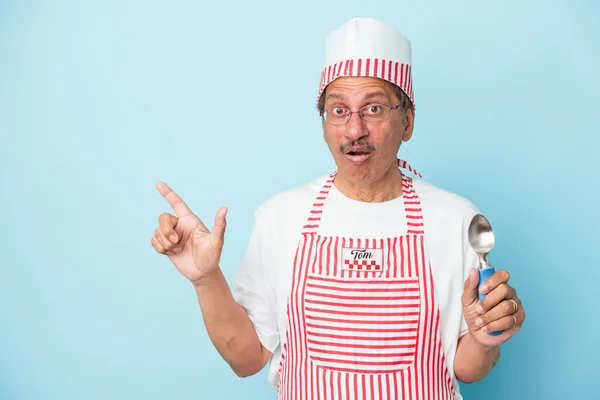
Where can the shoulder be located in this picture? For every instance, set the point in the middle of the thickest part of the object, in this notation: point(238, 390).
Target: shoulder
point(289, 204)
point(443, 205)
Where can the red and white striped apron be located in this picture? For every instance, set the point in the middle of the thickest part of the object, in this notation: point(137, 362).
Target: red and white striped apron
point(362, 317)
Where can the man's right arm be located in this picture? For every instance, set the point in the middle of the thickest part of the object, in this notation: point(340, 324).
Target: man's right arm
point(196, 253)
point(229, 326)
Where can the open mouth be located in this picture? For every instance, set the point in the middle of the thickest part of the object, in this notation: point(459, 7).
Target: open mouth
point(357, 156)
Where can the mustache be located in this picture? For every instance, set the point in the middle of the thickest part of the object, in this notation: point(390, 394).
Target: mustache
point(357, 143)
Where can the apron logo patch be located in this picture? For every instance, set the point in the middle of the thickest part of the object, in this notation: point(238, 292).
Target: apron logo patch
point(355, 259)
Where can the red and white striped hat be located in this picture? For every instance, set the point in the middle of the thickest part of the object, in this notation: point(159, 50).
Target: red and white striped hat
point(367, 47)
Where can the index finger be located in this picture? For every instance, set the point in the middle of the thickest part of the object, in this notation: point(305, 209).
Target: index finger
point(181, 209)
point(499, 277)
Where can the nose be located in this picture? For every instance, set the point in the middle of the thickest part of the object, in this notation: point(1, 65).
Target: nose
point(356, 128)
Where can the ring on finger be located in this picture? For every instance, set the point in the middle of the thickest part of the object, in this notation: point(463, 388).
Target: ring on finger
point(516, 306)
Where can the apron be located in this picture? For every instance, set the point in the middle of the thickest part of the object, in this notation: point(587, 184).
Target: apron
point(362, 317)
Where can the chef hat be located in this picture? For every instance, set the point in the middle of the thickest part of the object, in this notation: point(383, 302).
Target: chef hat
point(367, 47)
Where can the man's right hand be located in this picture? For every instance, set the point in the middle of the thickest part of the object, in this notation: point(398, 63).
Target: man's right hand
point(193, 249)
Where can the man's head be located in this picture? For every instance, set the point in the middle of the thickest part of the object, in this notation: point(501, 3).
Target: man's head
point(365, 146)
point(365, 98)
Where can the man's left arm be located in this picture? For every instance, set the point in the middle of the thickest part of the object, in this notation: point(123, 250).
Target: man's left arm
point(500, 310)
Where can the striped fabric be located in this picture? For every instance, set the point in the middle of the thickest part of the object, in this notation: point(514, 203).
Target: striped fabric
point(363, 334)
point(366, 326)
point(404, 165)
point(394, 72)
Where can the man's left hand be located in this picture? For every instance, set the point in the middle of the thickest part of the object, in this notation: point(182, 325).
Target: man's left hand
point(500, 309)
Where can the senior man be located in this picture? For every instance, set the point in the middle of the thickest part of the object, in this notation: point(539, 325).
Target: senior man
point(360, 284)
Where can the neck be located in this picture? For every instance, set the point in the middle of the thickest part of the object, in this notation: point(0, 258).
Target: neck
point(385, 188)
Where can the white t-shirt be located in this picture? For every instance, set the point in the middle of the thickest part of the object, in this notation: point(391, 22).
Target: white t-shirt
point(264, 279)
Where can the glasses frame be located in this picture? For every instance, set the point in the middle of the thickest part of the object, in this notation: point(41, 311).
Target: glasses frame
point(360, 113)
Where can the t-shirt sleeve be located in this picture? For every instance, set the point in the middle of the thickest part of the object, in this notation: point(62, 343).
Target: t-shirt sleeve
point(254, 291)
point(470, 259)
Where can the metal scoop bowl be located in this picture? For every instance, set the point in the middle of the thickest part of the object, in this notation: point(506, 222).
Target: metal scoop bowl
point(482, 240)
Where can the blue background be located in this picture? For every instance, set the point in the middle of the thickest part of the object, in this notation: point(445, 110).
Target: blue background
point(99, 100)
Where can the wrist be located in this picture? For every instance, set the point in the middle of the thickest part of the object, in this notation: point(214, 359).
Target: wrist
point(206, 279)
point(484, 348)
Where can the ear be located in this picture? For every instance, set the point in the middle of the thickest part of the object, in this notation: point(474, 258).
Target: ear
point(410, 124)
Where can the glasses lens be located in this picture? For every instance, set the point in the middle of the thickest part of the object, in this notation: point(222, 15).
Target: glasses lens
point(336, 115)
point(375, 112)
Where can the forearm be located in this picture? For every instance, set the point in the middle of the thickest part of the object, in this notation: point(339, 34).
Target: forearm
point(474, 361)
point(229, 326)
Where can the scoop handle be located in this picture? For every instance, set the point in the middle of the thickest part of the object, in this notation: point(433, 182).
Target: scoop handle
point(484, 274)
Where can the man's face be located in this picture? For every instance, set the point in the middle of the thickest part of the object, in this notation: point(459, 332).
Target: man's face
point(365, 151)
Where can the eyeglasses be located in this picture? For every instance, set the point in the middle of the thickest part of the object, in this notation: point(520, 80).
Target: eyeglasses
point(370, 113)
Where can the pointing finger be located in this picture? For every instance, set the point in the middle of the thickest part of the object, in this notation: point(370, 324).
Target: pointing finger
point(181, 209)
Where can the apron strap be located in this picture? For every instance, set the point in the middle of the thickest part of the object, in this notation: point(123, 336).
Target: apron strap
point(404, 165)
point(311, 226)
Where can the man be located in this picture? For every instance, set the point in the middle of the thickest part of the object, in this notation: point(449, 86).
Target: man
point(360, 284)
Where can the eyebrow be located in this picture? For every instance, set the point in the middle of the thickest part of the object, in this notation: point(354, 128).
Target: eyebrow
point(369, 96)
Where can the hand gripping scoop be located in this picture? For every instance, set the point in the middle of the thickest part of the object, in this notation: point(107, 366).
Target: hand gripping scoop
point(481, 238)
